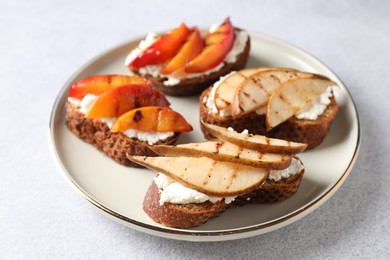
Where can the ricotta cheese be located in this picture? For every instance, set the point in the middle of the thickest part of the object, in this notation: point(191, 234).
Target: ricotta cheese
point(210, 100)
point(151, 138)
point(313, 112)
point(295, 167)
point(173, 192)
point(143, 45)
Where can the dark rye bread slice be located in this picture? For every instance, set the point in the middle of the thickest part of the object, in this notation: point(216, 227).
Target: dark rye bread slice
point(180, 215)
point(312, 132)
point(193, 214)
point(114, 145)
point(272, 191)
point(195, 85)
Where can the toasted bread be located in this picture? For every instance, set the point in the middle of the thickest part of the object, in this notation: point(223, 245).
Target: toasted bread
point(193, 214)
point(195, 85)
point(179, 215)
point(114, 145)
point(312, 132)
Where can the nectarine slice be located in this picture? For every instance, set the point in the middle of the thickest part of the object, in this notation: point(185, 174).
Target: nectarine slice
point(164, 48)
point(97, 85)
point(218, 45)
point(188, 51)
point(152, 119)
point(120, 100)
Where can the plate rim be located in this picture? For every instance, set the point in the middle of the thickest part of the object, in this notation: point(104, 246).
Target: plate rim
point(201, 235)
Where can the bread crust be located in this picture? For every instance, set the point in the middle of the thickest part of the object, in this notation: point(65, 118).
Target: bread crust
point(192, 215)
point(192, 86)
point(272, 191)
point(177, 215)
point(114, 145)
point(311, 132)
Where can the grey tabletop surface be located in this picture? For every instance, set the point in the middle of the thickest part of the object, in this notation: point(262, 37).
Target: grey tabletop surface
point(42, 43)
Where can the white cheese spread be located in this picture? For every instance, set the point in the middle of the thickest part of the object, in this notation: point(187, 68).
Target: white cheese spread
point(173, 192)
point(154, 70)
point(143, 45)
point(151, 138)
point(318, 107)
point(210, 100)
point(295, 167)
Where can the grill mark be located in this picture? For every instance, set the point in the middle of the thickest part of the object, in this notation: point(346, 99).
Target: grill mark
point(225, 102)
point(232, 177)
point(248, 96)
point(239, 152)
point(208, 176)
point(218, 146)
point(137, 116)
point(285, 100)
point(274, 78)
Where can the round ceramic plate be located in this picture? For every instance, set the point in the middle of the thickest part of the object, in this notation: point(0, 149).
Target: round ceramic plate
point(118, 191)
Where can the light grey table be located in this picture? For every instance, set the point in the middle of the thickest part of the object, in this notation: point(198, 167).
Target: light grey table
point(43, 42)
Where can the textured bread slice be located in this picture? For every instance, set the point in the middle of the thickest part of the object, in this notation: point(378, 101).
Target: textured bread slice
point(114, 145)
point(193, 214)
point(272, 191)
point(179, 215)
point(195, 85)
point(311, 132)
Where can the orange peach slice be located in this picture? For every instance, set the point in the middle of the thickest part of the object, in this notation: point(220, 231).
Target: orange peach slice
point(188, 51)
point(218, 45)
point(99, 84)
point(152, 119)
point(120, 100)
point(164, 48)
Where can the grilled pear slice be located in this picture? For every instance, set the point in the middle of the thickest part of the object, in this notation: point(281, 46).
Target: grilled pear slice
point(255, 91)
point(293, 97)
point(213, 178)
point(225, 91)
point(255, 142)
point(228, 152)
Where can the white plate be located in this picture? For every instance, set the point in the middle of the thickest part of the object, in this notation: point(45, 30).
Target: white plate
point(118, 191)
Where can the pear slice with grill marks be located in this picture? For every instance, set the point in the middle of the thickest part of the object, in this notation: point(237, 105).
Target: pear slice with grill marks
point(225, 91)
point(228, 152)
point(293, 97)
point(211, 177)
point(255, 142)
point(255, 91)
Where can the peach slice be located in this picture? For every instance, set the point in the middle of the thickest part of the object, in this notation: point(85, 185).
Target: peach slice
point(218, 45)
point(188, 51)
point(120, 100)
point(164, 48)
point(152, 119)
point(99, 84)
